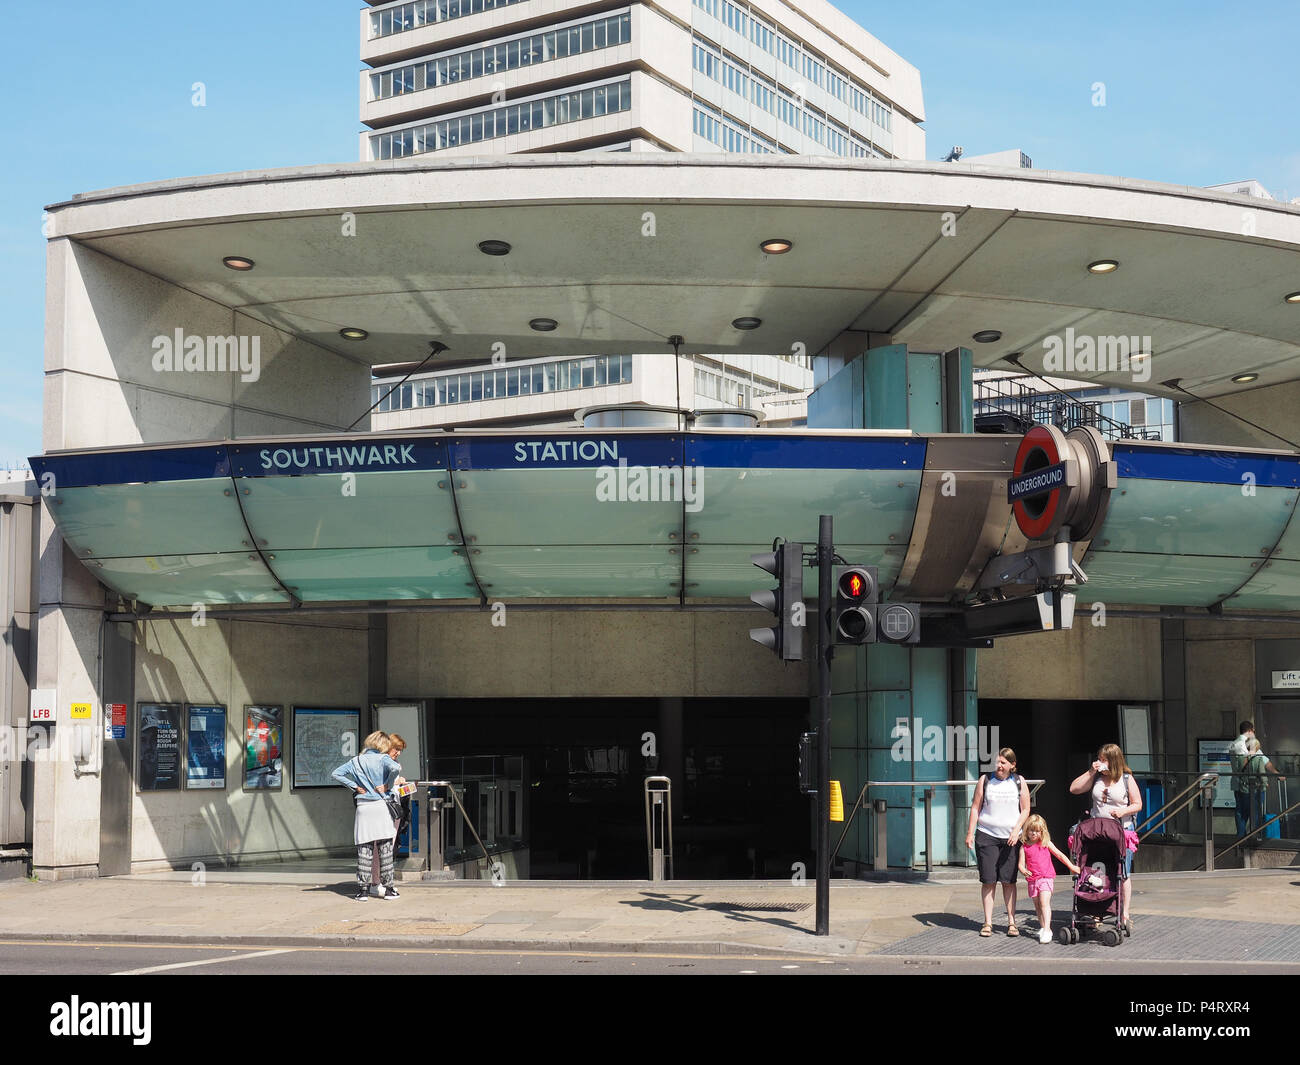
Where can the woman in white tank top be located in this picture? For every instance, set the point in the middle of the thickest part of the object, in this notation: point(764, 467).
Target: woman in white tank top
point(997, 814)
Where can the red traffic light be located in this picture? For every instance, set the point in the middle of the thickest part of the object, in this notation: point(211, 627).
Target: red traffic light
point(855, 585)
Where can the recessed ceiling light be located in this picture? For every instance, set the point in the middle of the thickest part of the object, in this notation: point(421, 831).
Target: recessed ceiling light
point(776, 245)
point(1103, 266)
point(238, 262)
point(494, 247)
point(543, 325)
point(1292, 297)
point(1245, 378)
point(986, 336)
point(351, 332)
point(746, 323)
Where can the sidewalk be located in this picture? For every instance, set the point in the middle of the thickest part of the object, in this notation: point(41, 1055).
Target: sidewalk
point(1225, 916)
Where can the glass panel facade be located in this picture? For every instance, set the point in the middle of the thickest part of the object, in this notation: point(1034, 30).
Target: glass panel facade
point(502, 57)
point(424, 12)
point(754, 87)
point(592, 372)
point(502, 121)
point(809, 68)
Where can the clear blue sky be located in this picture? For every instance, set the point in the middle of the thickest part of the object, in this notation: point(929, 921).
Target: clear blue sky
point(99, 95)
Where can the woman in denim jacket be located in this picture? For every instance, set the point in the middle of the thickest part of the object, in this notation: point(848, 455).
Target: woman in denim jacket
point(370, 774)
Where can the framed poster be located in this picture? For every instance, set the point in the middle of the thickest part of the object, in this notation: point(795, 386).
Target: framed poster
point(1215, 756)
point(158, 747)
point(263, 748)
point(205, 747)
point(323, 739)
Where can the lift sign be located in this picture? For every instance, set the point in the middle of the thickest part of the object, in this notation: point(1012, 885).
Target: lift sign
point(1036, 483)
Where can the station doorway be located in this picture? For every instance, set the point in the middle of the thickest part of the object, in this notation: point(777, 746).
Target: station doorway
point(737, 812)
point(1054, 741)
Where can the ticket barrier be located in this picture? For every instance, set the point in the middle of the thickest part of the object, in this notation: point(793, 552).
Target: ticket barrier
point(423, 852)
point(419, 846)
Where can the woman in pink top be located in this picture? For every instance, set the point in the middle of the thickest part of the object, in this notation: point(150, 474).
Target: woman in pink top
point(1037, 869)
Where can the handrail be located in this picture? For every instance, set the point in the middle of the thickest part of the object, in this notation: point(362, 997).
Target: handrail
point(1199, 784)
point(448, 786)
point(928, 784)
point(1272, 820)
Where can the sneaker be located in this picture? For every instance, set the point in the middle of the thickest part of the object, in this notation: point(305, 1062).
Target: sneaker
point(362, 896)
point(392, 893)
point(1044, 935)
point(379, 891)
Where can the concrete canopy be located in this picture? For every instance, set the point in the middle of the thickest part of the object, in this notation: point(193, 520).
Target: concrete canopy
point(624, 251)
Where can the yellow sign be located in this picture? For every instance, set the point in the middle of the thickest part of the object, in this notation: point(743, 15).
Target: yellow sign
point(837, 801)
point(81, 711)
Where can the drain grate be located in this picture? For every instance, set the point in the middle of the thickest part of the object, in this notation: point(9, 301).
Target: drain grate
point(752, 906)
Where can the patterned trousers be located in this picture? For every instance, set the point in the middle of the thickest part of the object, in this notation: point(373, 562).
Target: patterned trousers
point(375, 863)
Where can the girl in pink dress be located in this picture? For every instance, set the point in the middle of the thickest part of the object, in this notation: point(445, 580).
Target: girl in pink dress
point(1037, 869)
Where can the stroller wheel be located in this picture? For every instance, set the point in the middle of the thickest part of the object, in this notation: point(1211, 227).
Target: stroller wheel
point(1074, 934)
point(1063, 936)
point(1111, 937)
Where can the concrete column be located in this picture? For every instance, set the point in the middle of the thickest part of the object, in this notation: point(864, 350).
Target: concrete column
point(65, 797)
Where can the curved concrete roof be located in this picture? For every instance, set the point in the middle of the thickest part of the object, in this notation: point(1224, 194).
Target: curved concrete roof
point(624, 251)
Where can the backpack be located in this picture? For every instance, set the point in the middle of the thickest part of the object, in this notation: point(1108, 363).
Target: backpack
point(1240, 762)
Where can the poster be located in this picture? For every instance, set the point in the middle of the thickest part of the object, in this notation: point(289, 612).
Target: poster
point(158, 757)
point(323, 740)
point(205, 747)
point(1215, 756)
point(263, 748)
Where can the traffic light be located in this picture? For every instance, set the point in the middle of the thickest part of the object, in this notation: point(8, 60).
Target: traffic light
point(859, 616)
point(856, 596)
point(785, 601)
point(899, 622)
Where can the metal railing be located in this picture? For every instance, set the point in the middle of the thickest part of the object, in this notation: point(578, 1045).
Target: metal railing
point(880, 858)
point(1212, 858)
point(1011, 396)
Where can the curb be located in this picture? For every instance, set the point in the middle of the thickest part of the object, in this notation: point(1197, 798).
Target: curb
point(502, 946)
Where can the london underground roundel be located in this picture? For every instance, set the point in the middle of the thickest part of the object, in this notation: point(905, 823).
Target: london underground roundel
point(1038, 486)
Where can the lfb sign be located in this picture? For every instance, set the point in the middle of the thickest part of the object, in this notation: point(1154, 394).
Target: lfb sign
point(42, 706)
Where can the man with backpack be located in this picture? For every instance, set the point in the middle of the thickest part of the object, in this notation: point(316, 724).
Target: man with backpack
point(1240, 778)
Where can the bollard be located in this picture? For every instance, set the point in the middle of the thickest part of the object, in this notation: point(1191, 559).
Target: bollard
point(1207, 805)
point(928, 799)
point(880, 862)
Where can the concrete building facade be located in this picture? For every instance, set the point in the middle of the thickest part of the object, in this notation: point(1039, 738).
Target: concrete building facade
point(464, 77)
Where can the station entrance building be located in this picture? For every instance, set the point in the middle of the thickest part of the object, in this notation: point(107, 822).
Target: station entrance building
point(231, 564)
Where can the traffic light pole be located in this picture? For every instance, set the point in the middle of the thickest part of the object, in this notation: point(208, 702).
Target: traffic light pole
point(825, 648)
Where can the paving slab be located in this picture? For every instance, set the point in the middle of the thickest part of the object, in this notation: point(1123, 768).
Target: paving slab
point(1229, 917)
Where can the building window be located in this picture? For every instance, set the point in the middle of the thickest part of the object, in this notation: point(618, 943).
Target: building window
point(424, 12)
point(503, 121)
point(499, 58)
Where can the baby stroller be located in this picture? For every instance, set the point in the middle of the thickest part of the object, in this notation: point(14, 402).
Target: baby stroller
point(1097, 848)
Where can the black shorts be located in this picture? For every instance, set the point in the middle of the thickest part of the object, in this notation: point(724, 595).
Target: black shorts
point(998, 862)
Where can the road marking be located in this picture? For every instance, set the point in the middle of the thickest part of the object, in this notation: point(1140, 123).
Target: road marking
point(205, 961)
point(353, 948)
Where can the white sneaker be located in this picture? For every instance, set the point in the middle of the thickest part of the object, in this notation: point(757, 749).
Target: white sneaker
point(1044, 935)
